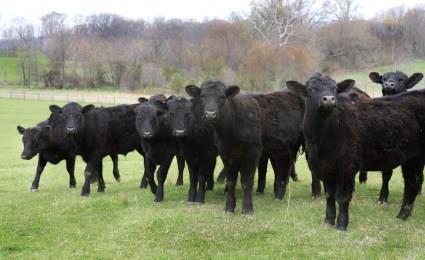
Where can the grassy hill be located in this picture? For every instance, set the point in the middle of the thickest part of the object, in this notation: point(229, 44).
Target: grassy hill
point(10, 70)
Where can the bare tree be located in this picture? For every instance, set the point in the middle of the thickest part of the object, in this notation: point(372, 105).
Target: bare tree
point(56, 44)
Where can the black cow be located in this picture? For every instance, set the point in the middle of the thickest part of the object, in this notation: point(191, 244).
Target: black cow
point(51, 148)
point(342, 137)
point(179, 158)
point(249, 126)
point(394, 83)
point(157, 141)
point(96, 133)
point(195, 138)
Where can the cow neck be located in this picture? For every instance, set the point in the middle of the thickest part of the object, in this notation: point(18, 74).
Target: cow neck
point(319, 128)
point(197, 125)
point(227, 121)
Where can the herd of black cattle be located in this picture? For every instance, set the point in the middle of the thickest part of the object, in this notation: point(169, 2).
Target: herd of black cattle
point(341, 129)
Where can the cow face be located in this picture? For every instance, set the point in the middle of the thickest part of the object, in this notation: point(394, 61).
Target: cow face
point(395, 82)
point(33, 139)
point(179, 110)
point(149, 117)
point(213, 95)
point(320, 91)
point(70, 117)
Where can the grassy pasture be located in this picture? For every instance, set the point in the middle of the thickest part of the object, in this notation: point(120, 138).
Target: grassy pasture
point(124, 222)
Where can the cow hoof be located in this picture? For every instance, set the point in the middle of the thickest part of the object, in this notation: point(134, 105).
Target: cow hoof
point(118, 179)
point(403, 215)
point(383, 202)
point(230, 211)
point(247, 211)
point(330, 222)
point(199, 201)
point(101, 190)
point(179, 183)
point(278, 198)
point(341, 228)
point(316, 197)
point(295, 179)
point(34, 189)
point(85, 194)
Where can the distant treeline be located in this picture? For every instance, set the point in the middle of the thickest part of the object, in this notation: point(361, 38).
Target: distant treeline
point(276, 41)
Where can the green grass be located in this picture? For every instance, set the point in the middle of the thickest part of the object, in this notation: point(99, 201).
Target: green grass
point(124, 222)
point(363, 81)
point(10, 70)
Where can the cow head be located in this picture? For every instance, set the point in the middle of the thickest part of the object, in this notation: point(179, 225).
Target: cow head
point(150, 118)
point(70, 117)
point(395, 82)
point(321, 91)
point(34, 140)
point(213, 94)
point(179, 110)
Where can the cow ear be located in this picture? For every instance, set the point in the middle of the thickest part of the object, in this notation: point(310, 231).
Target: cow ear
point(375, 77)
point(171, 97)
point(231, 91)
point(193, 91)
point(87, 108)
point(296, 88)
point(345, 85)
point(143, 100)
point(413, 80)
point(21, 129)
point(55, 109)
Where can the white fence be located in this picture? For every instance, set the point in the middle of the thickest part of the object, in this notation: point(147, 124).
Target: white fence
point(76, 97)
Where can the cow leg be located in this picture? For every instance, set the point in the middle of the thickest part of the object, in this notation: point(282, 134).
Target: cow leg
point(247, 182)
point(89, 171)
point(221, 176)
point(383, 195)
point(100, 182)
point(344, 192)
point(70, 167)
point(315, 187)
point(209, 173)
point(206, 171)
point(411, 171)
point(115, 169)
point(330, 189)
point(363, 177)
point(293, 173)
point(161, 177)
point(282, 166)
point(40, 167)
point(262, 172)
point(149, 174)
point(180, 166)
point(231, 179)
point(193, 179)
point(420, 182)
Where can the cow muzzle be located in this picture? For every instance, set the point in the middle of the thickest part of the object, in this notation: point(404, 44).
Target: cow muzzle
point(328, 101)
point(71, 130)
point(211, 115)
point(180, 133)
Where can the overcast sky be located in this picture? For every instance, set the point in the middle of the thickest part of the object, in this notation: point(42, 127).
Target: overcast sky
point(32, 10)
